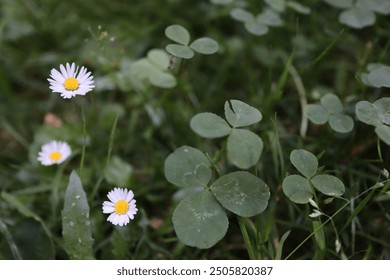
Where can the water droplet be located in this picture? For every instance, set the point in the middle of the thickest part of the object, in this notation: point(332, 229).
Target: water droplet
point(71, 223)
point(77, 197)
point(79, 240)
point(73, 204)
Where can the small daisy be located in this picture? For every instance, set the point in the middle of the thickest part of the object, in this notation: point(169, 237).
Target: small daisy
point(70, 82)
point(54, 152)
point(121, 206)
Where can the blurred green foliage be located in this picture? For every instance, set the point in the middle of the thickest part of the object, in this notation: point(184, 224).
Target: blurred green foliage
point(294, 64)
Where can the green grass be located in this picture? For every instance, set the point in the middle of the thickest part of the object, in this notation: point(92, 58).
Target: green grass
point(271, 73)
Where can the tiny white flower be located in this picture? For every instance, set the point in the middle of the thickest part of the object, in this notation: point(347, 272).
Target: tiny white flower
point(315, 214)
point(54, 152)
point(70, 82)
point(337, 245)
point(313, 203)
point(121, 206)
point(328, 200)
point(385, 173)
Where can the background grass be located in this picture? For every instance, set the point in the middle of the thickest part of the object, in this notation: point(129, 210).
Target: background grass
point(36, 36)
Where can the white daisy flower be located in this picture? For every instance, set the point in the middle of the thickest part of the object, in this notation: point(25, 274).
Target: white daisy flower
point(70, 82)
point(54, 152)
point(121, 206)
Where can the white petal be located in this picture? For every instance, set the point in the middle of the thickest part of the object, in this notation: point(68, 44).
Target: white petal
point(108, 209)
point(70, 69)
point(313, 203)
point(57, 76)
point(119, 193)
point(63, 71)
point(130, 196)
point(113, 218)
point(133, 211)
point(123, 220)
point(112, 196)
point(108, 203)
point(67, 94)
point(81, 74)
point(130, 215)
point(315, 214)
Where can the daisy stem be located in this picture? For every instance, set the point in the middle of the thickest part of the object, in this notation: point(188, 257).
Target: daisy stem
point(84, 141)
point(109, 152)
point(54, 193)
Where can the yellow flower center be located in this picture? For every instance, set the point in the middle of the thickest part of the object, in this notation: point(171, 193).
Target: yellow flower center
point(55, 156)
point(121, 207)
point(71, 84)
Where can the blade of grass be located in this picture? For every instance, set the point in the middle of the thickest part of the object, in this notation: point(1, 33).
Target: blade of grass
point(245, 235)
point(84, 142)
point(277, 151)
point(11, 243)
point(323, 53)
point(22, 209)
point(315, 231)
point(319, 235)
point(359, 208)
point(279, 250)
point(302, 98)
point(278, 92)
point(15, 134)
point(330, 219)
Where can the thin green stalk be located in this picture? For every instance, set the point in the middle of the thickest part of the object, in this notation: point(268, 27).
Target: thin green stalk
point(15, 134)
point(328, 220)
point(108, 158)
point(378, 145)
point(372, 238)
point(258, 237)
point(359, 208)
point(323, 53)
point(277, 151)
point(318, 229)
point(214, 161)
point(11, 243)
point(385, 50)
point(279, 250)
point(245, 235)
point(353, 228)
point(333, 225)
point(54, 193)
point(84, 142)
point(277, 94)
point(314, 232)
point(302, 98)
point(26, 212)
point(386, 186)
